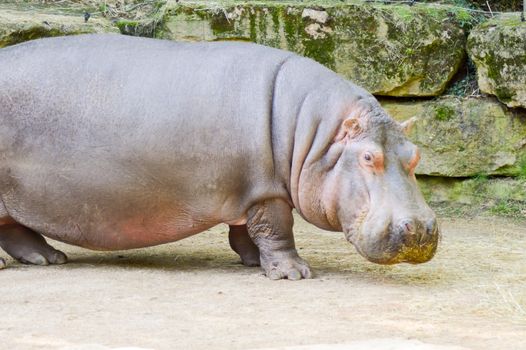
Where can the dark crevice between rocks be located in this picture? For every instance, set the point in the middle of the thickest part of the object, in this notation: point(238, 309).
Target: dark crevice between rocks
point(464, 82)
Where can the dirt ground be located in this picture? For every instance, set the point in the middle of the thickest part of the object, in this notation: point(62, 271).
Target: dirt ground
point(194, 294)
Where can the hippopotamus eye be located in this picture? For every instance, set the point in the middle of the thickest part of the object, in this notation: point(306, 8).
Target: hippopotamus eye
point(373, 161)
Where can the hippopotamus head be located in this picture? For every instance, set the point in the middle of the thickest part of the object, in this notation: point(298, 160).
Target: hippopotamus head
point(362, 181)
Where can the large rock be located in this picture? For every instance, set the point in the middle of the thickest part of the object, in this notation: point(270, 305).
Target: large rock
point(17, 26)
point(465, 137)
point(503, 196)
point(498, 48)
point(394, 50)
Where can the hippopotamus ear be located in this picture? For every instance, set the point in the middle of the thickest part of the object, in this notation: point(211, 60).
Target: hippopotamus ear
point(408, 125)
point(351, 128)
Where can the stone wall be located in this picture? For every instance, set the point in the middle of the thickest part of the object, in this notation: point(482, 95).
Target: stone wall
point(413, 58)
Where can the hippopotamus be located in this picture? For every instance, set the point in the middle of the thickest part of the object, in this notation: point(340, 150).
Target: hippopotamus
point(111, 142)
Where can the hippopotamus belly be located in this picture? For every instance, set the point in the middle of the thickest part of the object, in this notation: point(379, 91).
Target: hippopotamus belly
point(113, 195)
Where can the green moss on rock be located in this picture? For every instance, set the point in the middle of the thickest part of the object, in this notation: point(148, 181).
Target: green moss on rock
point(444, 112)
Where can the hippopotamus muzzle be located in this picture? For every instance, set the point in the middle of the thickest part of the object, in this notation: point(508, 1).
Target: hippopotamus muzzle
point(395, 224)
point(408, 240)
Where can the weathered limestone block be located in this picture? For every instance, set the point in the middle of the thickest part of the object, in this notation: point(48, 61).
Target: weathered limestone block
point(394, 50)
point(465, 137)
point(501, 195)
point(498, 48)
point(17, 26)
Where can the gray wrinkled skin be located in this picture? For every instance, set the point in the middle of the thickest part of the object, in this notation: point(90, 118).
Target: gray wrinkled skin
point(112, 142)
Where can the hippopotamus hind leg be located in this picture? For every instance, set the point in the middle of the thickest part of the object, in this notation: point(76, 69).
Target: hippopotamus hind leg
point(269, 225)
point(27, 246)
point(242, 244)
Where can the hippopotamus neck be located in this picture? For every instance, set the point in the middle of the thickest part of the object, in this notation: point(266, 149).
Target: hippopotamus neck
point(291, 140)
point(306, 117)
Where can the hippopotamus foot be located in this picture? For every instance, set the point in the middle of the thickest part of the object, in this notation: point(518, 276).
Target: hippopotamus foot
point(2, 263)
point(242, 244)
point(28, 247)
point(270, 227)
point(288, 265)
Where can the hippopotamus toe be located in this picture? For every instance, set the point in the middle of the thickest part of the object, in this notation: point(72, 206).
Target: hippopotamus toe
point(44, 258)
point(33, 258)
point(57, 257)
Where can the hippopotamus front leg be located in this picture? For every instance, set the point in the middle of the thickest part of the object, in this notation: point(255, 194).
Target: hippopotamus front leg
point(243, 245)
point(28, 247)
point(269, 225)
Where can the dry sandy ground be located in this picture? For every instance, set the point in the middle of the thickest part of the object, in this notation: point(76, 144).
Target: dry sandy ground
point(194, 294)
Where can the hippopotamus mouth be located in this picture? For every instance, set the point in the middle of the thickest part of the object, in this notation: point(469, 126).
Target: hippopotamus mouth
point(412, 243)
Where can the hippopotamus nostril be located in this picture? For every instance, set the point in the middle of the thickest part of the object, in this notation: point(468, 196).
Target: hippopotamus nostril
point(406, 226)
point(407, 230)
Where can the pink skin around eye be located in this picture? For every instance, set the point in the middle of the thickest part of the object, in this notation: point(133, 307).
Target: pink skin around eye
point(373, 160)
point(378, 162)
